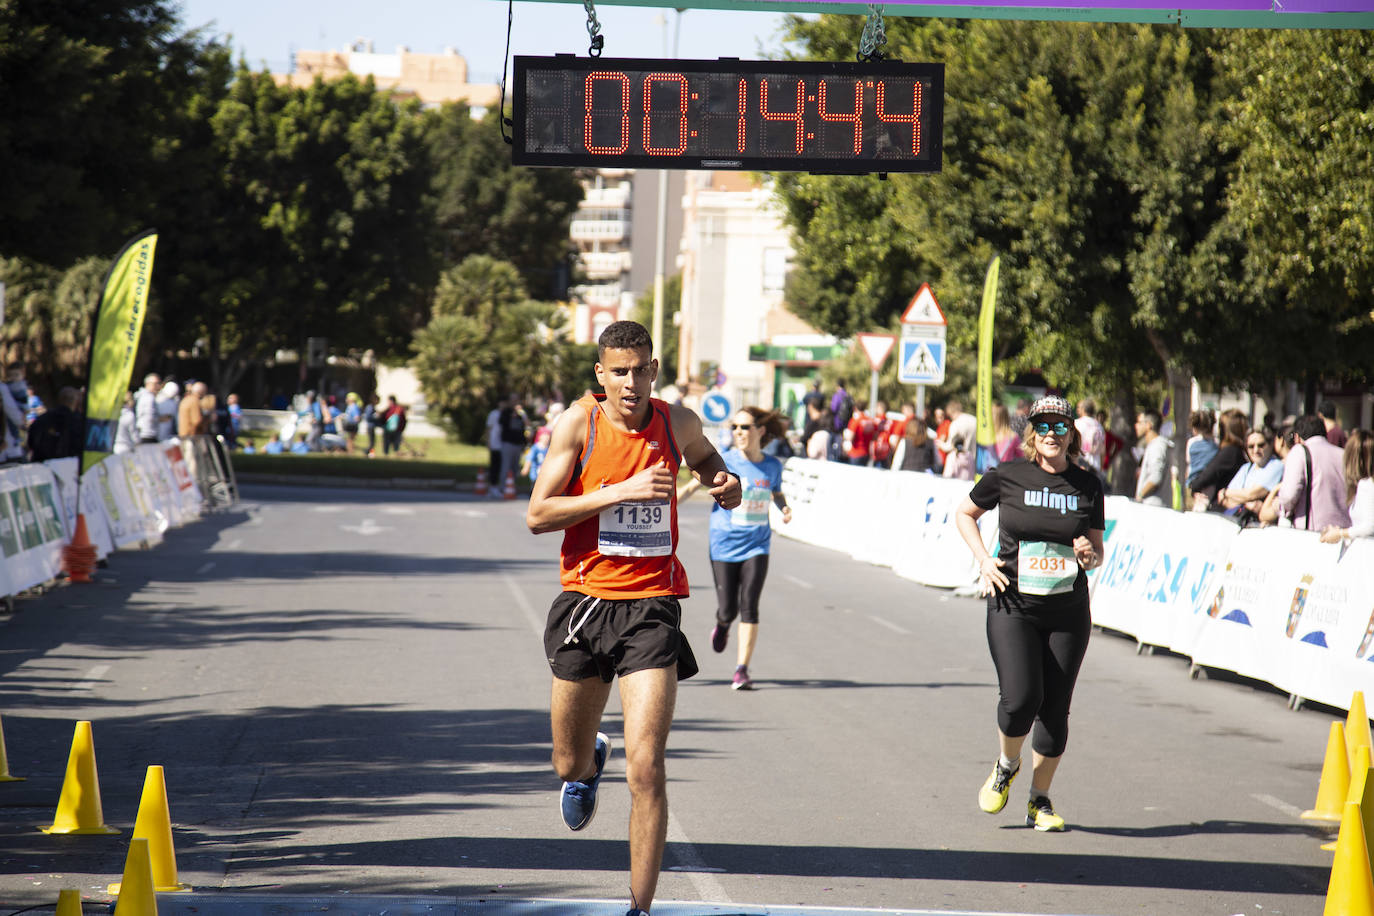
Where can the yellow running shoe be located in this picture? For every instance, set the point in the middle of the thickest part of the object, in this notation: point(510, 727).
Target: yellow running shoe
point(1040, 815)
point(993, 796)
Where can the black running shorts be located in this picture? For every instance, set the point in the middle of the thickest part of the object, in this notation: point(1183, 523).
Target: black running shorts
point(597, 637)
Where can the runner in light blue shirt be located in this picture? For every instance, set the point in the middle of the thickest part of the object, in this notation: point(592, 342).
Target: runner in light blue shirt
point(740, 537)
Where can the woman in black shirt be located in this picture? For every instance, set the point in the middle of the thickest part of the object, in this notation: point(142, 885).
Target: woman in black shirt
point(1051, 523)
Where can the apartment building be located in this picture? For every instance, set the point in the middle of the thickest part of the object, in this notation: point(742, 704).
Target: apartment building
point(736, 335)
point(432, 78)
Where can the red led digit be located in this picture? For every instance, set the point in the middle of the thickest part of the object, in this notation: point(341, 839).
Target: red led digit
point(856, 117)
point(743, 104)
point(914, 119)
point(794, 115)
point(681, 82)
point(624, 112)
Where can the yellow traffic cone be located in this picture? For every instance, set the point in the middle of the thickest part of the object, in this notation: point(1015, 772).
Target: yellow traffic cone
point(68, 902)
point(154, 824)
point(1335, 779)
point(5, 763)
point(136, 897)
point(1359, 784)
point(1351, 891)
point(1356, 727)
point(78, 810)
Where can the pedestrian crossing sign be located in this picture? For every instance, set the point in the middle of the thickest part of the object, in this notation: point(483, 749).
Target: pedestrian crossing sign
point(923, 361)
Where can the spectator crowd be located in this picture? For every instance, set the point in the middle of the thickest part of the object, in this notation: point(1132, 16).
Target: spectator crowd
point(1304, 472)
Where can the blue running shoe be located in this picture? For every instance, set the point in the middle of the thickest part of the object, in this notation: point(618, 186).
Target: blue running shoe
point(578, 801)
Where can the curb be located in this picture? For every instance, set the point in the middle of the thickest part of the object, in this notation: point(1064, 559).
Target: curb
point(382, 483)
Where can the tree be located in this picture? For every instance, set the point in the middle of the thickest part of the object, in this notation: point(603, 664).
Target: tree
point(644, 314)
point(487, 339)
point(488, 206)
point(1300, 200)
point(319, 223)
point(93, 118)
point(1086, 157)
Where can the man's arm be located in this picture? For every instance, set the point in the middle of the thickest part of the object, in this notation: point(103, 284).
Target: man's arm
point(703, 459)
point(552, 509)
point(1294, 476)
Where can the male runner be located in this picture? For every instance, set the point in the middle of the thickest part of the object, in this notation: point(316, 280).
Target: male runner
point(609, 483)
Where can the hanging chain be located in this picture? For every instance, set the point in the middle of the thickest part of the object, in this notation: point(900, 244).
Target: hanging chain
point(593, 29)
point(874, 35)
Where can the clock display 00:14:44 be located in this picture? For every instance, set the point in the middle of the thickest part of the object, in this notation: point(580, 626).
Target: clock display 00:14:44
point(762, 113)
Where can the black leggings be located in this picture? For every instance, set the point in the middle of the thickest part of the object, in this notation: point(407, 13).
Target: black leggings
point(1037, 655)
point(738, 586)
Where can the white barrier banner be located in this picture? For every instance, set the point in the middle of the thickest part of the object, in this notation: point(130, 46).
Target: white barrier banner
point(129, 509)
point(1297, 613)
point(930, 549)
point(157, 478)
point(1160, 572)
point(889, 518)
point(180, 481)
point(31, 530)
point(97, 527)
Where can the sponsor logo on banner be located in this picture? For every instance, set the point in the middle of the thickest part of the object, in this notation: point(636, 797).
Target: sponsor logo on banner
point(1295, 607)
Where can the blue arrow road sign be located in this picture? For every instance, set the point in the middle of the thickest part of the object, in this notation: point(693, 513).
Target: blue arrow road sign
point(715, 407)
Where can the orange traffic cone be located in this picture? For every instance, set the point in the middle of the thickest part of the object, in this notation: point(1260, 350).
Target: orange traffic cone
point(78, 809)
point(1351, 891)
point(154, 824)
point(1359, 783)
point(136, 894)
point(508, 488)
point(78, 557)
point(68, 902)
point(1356, 726)
point(5, 763)
point(1335, 779)
point(481, 488)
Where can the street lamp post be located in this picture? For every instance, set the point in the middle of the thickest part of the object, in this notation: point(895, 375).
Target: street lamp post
point(661, 238)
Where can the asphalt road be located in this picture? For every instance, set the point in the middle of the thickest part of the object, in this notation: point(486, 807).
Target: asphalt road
point(348, 694)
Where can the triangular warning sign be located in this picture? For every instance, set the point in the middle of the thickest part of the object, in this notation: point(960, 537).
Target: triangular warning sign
point(924, 309)
point(877, 346)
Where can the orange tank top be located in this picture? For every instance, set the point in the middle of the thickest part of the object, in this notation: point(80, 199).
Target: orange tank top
point(629, 550)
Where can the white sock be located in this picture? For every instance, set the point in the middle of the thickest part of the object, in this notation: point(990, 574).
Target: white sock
point(1006, 764)
point(1036, 793)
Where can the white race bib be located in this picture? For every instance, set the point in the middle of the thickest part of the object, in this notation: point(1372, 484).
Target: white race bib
point(1043, 568)
point(752, 511)
point(636, 529)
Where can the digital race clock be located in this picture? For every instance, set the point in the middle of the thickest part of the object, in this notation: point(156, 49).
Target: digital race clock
point(800, 116)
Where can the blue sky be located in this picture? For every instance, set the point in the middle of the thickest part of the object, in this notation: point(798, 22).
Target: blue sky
point(267, 31)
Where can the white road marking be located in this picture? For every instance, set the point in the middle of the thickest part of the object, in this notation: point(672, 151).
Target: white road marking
point(523, 603)
point(891, 626)
point(327, 508)
point(89, 679)
point(799, 583)
point(234, 544)
point(1278, 804)
point(470, 513)
point(398, 510)
point(205, 568)
point(690, 862)
point(368, 527)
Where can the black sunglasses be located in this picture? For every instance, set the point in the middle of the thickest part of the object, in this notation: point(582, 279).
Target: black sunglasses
point(741, 425)
point(1059, 426)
